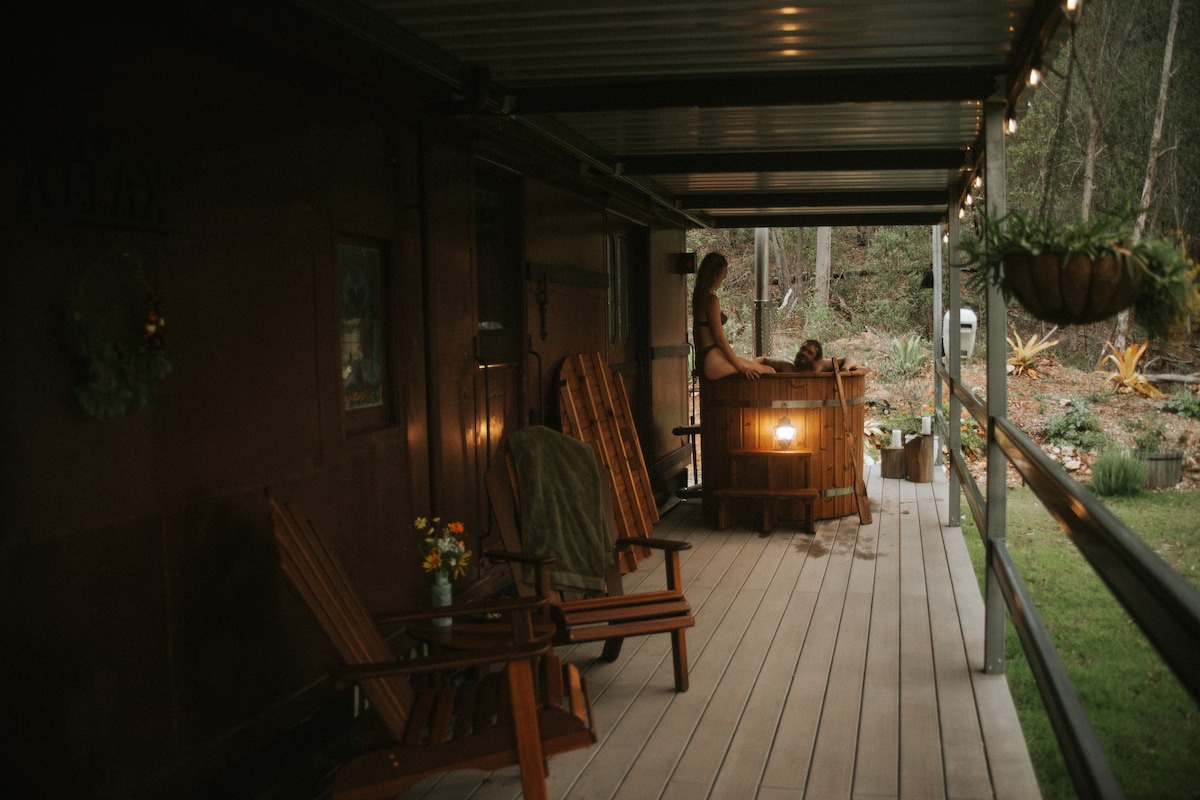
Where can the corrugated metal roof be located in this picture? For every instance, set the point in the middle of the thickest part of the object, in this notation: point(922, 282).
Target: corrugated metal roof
point(738, 111)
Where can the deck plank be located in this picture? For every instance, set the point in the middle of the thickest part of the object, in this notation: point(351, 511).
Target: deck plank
point(846, 663)
point(789, 761)
point(727, 620)
point(745, 760)
point(876, 772)
point(962, 739)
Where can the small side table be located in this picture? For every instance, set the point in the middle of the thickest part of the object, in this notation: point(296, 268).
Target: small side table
point(918, 458)
point(464, 635)
point(891, 462)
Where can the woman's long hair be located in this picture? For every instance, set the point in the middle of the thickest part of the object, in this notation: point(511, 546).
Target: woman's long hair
point(706, 277)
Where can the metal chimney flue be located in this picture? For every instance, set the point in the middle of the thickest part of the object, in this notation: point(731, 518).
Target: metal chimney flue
point(762, 292)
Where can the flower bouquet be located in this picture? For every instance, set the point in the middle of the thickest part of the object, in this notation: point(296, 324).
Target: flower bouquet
point(445, 554)
point(443, 551)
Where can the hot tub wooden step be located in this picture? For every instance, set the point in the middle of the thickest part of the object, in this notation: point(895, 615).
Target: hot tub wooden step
point(769, 498)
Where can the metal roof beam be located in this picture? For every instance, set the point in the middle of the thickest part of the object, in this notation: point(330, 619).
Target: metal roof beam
point(806, 88)
point(809, 161)
point(714, 200)
point(824, 219)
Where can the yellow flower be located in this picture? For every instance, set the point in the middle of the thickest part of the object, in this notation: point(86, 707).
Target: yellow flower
point(461, 568)
point(433, 560)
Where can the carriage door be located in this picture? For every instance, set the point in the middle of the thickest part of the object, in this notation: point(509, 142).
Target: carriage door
point(627, 260)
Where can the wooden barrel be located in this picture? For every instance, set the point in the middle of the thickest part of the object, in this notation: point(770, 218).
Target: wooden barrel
point(740, 414)
point(1163, 470)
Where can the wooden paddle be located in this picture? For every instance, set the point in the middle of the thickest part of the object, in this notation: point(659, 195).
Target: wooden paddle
point(860, 486)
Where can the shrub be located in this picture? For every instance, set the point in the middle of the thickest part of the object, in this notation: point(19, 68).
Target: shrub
point(905, 357)
point(1151, 438)
point(1076, 426)
point(821, 323)
point(970, 437)
point(1185, 403)
point(1117, 473)
point(903, 418)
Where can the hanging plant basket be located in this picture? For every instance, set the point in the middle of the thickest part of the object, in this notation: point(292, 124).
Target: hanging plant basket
point(1074, 290)
point(1101, 273)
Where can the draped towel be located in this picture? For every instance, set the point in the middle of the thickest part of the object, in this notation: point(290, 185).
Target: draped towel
point(558, 484)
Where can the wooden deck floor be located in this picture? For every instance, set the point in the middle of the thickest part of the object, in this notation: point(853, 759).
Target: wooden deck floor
point(841, 664)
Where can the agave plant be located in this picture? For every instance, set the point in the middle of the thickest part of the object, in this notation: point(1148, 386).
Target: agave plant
point(1027, 353)
point(1126, 375)
point(906, 356)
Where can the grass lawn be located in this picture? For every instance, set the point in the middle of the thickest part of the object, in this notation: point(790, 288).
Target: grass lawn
point(1148, 724)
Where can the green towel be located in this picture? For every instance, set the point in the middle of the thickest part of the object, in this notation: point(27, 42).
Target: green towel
point(561, 511)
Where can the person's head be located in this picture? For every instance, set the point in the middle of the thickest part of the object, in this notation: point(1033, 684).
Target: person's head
point(809, 353)
point(713, 268)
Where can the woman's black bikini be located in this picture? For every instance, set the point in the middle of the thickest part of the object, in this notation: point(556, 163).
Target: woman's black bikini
point(702, 353)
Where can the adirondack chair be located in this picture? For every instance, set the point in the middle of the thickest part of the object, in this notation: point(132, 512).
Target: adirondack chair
point(609, 615)
point(485, 718)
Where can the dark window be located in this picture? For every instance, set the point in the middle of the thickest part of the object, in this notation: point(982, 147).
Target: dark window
point(498, 265)
point(618, 289)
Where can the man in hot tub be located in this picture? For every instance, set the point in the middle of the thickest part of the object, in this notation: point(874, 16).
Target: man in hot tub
point(810, 358)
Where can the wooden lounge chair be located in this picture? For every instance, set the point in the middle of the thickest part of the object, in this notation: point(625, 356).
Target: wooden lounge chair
point(609, 615)
point(486, 718)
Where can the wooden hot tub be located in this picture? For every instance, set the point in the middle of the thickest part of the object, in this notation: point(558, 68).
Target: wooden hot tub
point(738, 418)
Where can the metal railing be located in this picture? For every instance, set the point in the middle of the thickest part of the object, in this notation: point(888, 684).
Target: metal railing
point(1161, 603)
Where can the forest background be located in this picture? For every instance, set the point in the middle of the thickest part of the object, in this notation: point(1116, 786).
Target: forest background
point(1083, 146)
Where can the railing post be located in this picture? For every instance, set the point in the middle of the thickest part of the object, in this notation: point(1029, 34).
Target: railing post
point(997, 393)
point(953, 350)
point(938, 345)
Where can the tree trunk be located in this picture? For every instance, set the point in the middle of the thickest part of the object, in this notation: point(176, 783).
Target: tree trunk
point(800, 275)
point(787, 272)
point(1124, 319)
point(824, 261)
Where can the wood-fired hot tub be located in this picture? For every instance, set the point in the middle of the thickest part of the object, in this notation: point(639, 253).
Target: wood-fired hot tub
point(738, 418)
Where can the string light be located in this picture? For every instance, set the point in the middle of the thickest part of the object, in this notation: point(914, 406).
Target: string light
point(1010, 123)
point(1035, 77)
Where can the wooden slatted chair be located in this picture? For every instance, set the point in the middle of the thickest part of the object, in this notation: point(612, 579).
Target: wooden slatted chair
point(515, 704)
point(609, 616)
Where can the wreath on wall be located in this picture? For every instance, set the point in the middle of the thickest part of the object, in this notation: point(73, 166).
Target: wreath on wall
point(122, 369)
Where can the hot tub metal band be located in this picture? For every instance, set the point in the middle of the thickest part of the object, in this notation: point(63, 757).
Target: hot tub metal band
point(850, 401)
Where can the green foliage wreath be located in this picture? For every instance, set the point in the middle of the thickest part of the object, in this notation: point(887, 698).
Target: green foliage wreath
point(122, 375)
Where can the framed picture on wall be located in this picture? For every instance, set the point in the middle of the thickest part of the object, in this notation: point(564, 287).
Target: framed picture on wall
point(364, 360)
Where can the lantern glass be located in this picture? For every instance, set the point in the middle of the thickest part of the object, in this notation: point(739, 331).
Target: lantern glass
point(785, 433)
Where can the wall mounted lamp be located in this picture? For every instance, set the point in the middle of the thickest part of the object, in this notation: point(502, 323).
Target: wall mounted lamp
point(685, 263)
